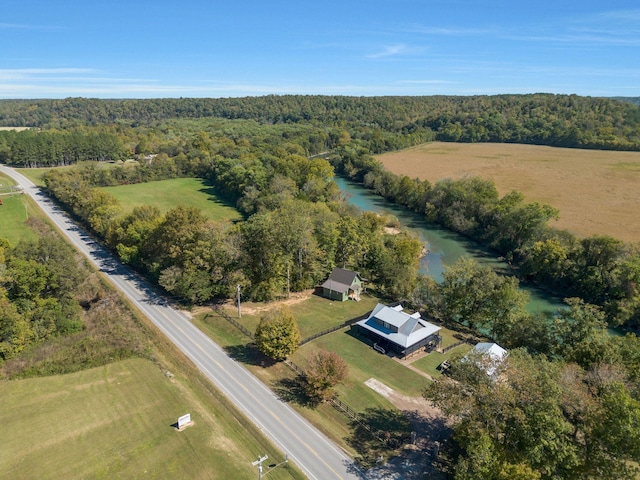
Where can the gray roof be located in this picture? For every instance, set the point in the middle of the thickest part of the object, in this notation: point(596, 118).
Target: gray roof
point(411, 328)
point(488, 356)
point(340, 280)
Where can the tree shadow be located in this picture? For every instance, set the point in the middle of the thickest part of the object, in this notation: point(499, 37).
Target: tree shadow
point(378, 433)
point(249, 355)
point(430, 429)
point(292, 390)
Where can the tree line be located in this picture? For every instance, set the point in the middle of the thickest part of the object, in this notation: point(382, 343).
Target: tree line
point(382, 123)
point(54, 148)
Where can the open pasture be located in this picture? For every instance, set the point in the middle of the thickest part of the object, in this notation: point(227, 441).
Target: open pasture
point(597, 192)
point(14, 211)
point(36, 174)
point(117, 421)
point(168, 194)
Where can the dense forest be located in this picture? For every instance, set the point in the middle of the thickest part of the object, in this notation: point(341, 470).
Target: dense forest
point(559, 120)
point(634, 100)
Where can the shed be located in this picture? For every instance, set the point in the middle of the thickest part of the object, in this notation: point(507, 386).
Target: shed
point(342, 285)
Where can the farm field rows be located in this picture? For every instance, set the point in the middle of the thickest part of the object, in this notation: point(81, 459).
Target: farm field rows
point(597, 192)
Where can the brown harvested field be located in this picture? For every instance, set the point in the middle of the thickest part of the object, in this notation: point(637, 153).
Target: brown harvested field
point(597, 192)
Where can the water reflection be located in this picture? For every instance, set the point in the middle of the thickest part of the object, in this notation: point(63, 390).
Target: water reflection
point(444, 247)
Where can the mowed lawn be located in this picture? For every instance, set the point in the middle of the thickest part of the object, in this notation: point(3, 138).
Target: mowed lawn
point(117, 422)
point(313, 313)
point(14, 212)
point(36, 174)
point(168, 194)
point(597, 192)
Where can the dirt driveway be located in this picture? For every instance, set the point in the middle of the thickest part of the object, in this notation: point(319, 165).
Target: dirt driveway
point(416, 461)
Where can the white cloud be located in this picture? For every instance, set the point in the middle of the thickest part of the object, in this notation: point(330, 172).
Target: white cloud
point(395, 50)
point(389, 51)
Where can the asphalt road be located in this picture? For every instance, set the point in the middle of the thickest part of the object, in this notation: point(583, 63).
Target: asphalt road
point(313, 453)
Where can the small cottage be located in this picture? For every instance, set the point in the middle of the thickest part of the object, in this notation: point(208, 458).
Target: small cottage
point(342, 285)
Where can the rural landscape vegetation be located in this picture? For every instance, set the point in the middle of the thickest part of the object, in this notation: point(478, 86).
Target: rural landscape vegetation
point(209, 199)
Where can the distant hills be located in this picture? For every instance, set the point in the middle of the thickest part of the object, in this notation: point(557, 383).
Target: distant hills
point(544, 119)
point(634, 100)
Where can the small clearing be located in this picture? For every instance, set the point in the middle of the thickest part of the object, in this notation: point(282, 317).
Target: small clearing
point(251, 308)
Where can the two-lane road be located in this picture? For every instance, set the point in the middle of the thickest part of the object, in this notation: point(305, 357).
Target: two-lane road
point(315, 454)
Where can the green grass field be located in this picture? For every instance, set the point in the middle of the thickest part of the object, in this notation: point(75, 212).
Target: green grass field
point(164, 194)
point(116, 422)
point(168, 194)
point(35, 174)
point(14, 211)
point(364, 363)
point(314, 314)
point(429, 363)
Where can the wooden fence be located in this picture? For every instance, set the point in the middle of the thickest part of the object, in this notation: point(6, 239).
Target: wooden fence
point(334, 329)
point(234, 322)
point(335, 402)
point(452, 346)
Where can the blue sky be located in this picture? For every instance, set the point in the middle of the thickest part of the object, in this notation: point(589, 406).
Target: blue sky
point(197, 48)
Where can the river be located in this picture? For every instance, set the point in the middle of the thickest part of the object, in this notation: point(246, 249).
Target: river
point(444, 247)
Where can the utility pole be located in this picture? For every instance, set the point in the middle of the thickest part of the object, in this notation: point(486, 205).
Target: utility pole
point(239, 312)
point(258, 463)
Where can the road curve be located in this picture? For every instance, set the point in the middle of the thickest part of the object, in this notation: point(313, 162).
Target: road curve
point(312, 451)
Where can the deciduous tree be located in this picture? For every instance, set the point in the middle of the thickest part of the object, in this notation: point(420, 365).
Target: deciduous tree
point(326, 369)
point(277, 334)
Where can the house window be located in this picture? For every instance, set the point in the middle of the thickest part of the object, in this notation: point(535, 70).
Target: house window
point(386, 325)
